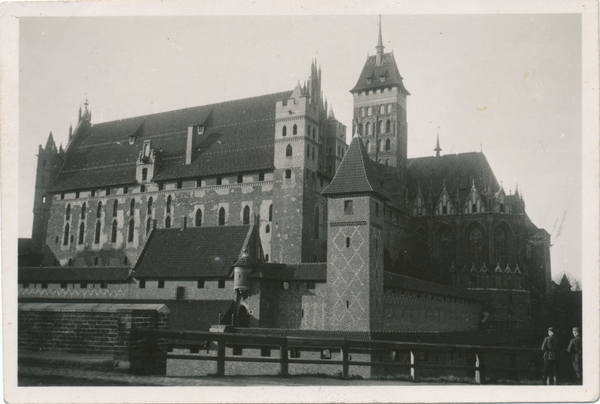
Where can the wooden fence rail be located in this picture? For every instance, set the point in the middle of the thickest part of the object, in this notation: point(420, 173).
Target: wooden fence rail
point(154, 339)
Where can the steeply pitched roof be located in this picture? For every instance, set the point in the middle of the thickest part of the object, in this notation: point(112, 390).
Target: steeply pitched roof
point(191, 253)
point(370, 77)
point(357, 173)
point(238, 137)
point(74, 274)
point(456, 171)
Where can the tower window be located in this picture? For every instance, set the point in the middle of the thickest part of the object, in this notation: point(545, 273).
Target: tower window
point(150, 206)
point(222, 217)
point(295, 130)
point(97, 236)
point(347, 242)
point(261, 176)
point(348, 207)
point(161, 284)
point(115, 207)
point(200, 284)
point(388, 145)
point(144, 174)
point(267, 229)
point(168, 222)
point(132, 207)
point(83, 209)
point(125, 190)
point(131, 230)
point(113, 233)
point(198, 218)
point(246, 215)
point(161, 186)
point(198, 182)
point(66, 237)
point(221, 283)
point(313, 154)
point(271, 213)
point(284, 131)
point(288, 151)
point(77, 195)
point(219, 180)
point(288, 173)
point(68, 215)
point(169, 199)
point(240, 178)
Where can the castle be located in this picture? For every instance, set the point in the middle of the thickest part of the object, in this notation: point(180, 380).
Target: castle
point(256, 212)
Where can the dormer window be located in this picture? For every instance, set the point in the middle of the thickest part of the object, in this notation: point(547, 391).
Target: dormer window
point(382, 78)
point(200, 130)
point(368, 81)
point(131, 139)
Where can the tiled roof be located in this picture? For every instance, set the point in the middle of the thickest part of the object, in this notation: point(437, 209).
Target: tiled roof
point(370, 76)
point(456, 171)
point(238, 137)
point(191, 253)
point(294, 272)
point(409, 283)
point(357, 173)
point(197, 315)
point(74, 274)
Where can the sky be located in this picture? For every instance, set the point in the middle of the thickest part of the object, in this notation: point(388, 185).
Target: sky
point(508, 85)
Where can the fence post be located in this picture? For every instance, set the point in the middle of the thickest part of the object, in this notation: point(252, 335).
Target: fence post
point(345, 364)
point(413, 365)
point(283, 349)
point(479, 376)
point(221, 358)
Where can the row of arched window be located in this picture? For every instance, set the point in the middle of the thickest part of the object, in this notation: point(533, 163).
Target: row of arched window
point(368, 111)
point(382, 127)
point(295, 131)
point(381, 145)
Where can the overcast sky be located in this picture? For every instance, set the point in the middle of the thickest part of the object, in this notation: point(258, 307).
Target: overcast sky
point(507, 84)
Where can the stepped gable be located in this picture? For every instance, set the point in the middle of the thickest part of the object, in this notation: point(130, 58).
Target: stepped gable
point(358, 174)
point(191, 253)
point(457, 170)
point(370, 77)
point(238, 137)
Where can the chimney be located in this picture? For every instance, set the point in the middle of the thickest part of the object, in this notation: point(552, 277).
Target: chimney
point(189, 151)
point(183, 222)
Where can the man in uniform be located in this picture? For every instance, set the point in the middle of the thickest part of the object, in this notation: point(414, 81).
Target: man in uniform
point(575, 350)
point(550, 348)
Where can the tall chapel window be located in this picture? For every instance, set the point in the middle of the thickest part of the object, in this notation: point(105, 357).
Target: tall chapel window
point(222, 217)
point(131, 230)
point(288, 151)
point(388, 145)
point(389, 108)
point(66, 235)
point(388, 126)
point(97, 235)
point(113, 233)
point(295, 129)
point(68, 215)
point(360, 129)
point(284, 131)
point(144, 174)
point(150, 206)
point(169, 199)
point(115, 207)
point(271, 213)
point(83, 209)
point(168, 222)
point(198, 218)
point(81, 232)
point(132, 207)
point(246, 215)
point(368, 129)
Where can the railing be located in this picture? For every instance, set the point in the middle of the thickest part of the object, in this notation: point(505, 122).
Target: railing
point(153, 349)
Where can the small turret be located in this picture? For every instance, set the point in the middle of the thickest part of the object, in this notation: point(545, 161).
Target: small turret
point(242, 270)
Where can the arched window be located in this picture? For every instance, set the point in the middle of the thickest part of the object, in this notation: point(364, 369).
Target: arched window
point(367, 146)
point(83, 209)
point(168, 222)
point(444, 210)
point(132, 207)
point(389, 108)
point(362, 112)
point(295, 129)
point(113, 233)
point(148, 224)
point(382, 110)
point(271, 213)
point(169, 199)
point(284, 131)
point(150, 206)
point(68, 215)
point(476, 244)
point(501, 208)
point(380, 127)
point(314, 132)
point(144, 174)
point(115, 208)
point(97, 236)
point(222, 217)
point(317, 223)
point(369, 111)
point(368, 129)
point(81, 232)
point(288, 150)
point(308, 132)
point(198, 218)
point(70, 262)
point(66, 237)
point(246, 215)
point(388, 145)
point(474, 208)
point(131, 229)
point(388, 126)
point(267, 229)
point(307, 151)
point(380, 145)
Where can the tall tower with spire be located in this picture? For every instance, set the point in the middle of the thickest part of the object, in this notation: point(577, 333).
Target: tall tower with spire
point(380, 110)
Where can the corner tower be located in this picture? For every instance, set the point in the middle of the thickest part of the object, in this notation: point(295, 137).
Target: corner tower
point(380, 110)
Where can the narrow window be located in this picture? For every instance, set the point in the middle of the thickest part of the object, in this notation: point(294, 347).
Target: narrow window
point(200, 284)
point(313, 154)
point(347, 242)
point(148, 224)
point(444, 210)
point(288, 173)
point(307, 152)
point(66, 237)
point(198, 182)
point(501, 208)
point(132, 207)
point(169, 199)
point(107, 191)
point(474, 208)
point(43, 198)
point(284, 131)
point(131, 229)
point(77, 195)
point(144, 174)
point(83, 209)
point(125, 190)
point(317, 223)
point(142, 284)
point(388, 126)
point(314, 132)
point(261, 176)
point(288, 151)
point(179, 184)
point(167, 222)
point(115, 208)
point(62, 196)
point(380, 127)
point(95, 260)
point(113, 233)
point(219, 180)
point(237, 350)
point(347, 304)
point(83, 285)
point(97, 236)
point(103, 285)
point(63, 285)
point(68, 215)
point(348, 208)
point(81, 232)
point(221, 283)
point(388, 145)
point(70, 262)
point(295, 130)
point(161, 186)
point(161, 284)
point(376, 209)
point(44, 285)
point(368, 129)
point(308, 132)
point(150, 206)
point(222, 217)
point(246, 215)
point(93, 193)
point(265, 352)
point(267, 229)
point(267, 258)
point(180, 293)
point(240, 178)
point(271, 213)
point(142, 188)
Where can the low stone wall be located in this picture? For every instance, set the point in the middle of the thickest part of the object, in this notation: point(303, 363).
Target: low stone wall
point(87, 328)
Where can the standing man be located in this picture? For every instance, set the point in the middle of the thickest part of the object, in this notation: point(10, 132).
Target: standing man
point(550, 348)
point(575, 350)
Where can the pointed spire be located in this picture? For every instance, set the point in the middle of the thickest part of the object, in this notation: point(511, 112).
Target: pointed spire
point(379, 45)
point(70, 131)
point(79, 116)
point(50, 145)
point(473, 186)
point(517, 189)
point(330, 113)
point(60, 149)
point(438, 149)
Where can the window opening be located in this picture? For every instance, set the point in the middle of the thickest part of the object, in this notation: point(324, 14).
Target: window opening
point(81, 232)
point(83, 209)
point(295, 130)
point(198, 218)
point(167, 222)
point(68, 215)
point(113, 236)
point(222, 217)
point(161, 284)
point(131, 229)
point(97, 237)
point(348, 207)
point(66, 237)
point(221, 283)
point(288, 151)
point(284, 131)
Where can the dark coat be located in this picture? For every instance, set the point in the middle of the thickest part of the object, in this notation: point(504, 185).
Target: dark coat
point(575, 348)
point(551, 347)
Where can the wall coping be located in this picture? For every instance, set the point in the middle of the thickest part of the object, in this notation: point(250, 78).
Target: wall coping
point(93, 307)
